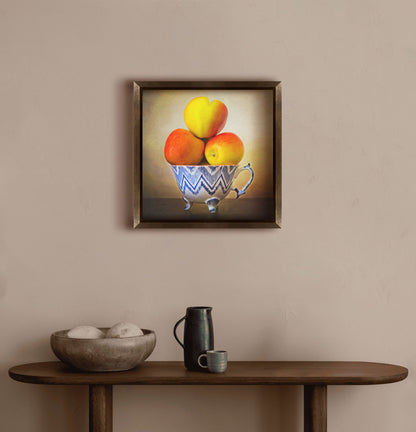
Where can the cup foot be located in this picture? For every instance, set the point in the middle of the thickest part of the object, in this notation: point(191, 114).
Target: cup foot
point(188, 204)
point(212, 204)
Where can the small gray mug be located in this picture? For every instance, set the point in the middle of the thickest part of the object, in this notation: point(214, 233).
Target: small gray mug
point(216, 361)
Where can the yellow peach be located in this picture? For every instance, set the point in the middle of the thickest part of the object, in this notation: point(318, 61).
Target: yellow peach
point(224, 149)
point(204, 118)
point(183, 148)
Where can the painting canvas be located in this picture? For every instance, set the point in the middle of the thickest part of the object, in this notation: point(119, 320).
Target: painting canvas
point(207, 154)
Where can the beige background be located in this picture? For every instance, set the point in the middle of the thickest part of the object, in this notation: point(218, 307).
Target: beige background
point(336, 283)
point(250, 116)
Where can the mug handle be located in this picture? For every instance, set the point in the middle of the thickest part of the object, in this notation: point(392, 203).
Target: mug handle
point(174, 331)
point(243, 191)
point(199, 361)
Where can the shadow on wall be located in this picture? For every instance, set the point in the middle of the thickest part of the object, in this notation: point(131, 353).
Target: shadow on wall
point(63, 408)
point(124, 154)
point(208, 408)
point(40, 407)
point(281, 408)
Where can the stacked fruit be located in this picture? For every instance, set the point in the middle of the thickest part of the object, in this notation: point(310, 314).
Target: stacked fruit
point(202, 143)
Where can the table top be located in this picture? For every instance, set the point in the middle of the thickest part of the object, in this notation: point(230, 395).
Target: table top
point(237, 373)
point(230, 209)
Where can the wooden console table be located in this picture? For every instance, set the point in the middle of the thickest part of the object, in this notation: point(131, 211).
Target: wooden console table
point(314, 376)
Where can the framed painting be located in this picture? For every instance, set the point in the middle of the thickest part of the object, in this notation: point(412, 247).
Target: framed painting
point(207, 154)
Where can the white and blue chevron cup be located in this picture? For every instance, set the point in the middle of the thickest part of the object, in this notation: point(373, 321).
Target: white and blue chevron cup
point(208, 184)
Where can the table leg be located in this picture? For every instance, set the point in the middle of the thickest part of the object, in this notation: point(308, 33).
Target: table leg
point(315, 417)
point(101, 408)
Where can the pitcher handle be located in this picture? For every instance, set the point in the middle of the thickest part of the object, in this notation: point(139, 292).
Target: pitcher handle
point(174, 331)
point(243, 191)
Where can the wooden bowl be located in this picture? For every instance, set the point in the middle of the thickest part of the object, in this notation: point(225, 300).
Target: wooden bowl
point(103, 355)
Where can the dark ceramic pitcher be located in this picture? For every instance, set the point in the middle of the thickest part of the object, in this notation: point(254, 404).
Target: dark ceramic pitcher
point(198, 335)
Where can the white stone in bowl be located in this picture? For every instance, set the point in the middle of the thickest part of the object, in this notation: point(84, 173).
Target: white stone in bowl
point(85, 332)
point(124, 329)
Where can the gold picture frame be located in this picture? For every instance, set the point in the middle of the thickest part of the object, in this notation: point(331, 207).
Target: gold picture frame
point(254, 113)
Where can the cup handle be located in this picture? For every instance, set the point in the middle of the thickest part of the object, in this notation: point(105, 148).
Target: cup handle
point(199, 361)
point(174, 331)
point(243, 191)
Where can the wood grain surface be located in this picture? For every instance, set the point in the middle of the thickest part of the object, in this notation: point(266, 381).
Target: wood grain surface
point(238, 373)
point(315, 408)
point(101, 408)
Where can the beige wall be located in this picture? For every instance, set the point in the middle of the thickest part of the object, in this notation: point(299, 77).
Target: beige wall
point(337, 282)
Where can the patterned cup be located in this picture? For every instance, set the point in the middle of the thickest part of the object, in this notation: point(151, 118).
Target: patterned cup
point(208, 184)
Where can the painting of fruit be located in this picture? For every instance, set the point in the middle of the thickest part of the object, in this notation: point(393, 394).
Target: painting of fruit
point(185, 148)
point(206, 156)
